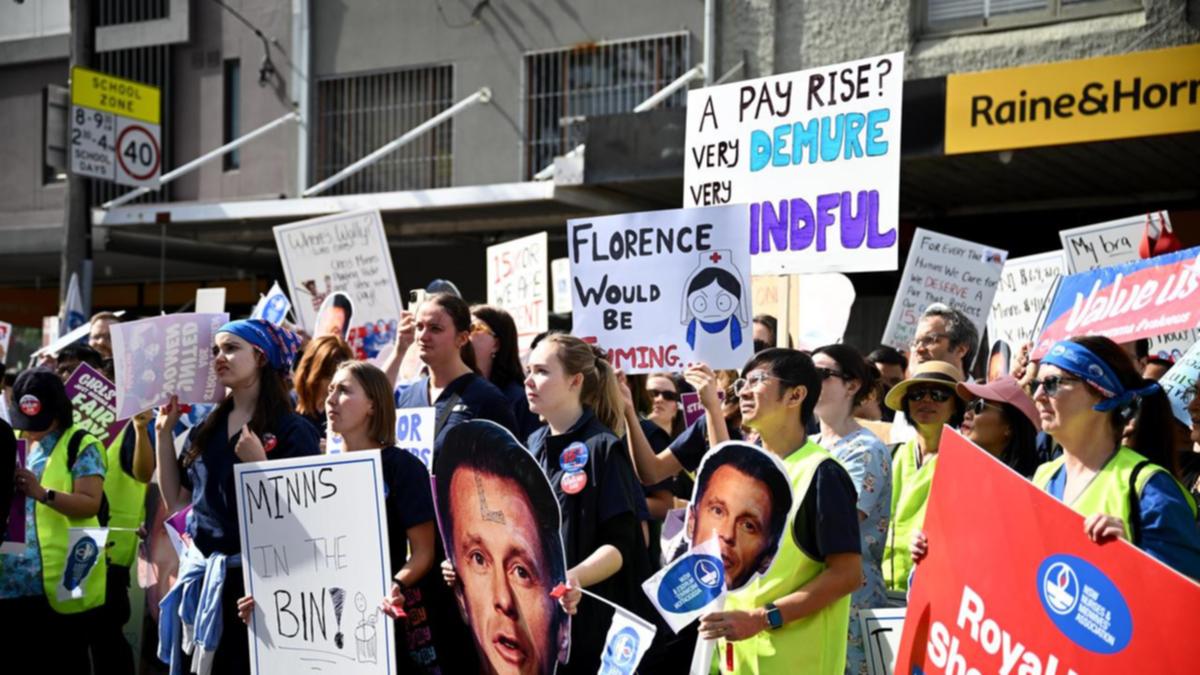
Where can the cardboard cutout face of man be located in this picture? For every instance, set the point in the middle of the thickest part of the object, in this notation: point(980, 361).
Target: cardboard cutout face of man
point(498, 518)
point(742, 497)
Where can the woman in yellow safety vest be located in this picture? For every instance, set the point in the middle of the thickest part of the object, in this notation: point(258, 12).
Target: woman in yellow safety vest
point(49, 592)
point(1088, 391)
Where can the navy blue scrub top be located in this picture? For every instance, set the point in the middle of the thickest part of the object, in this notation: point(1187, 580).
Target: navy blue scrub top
point(478, 399)
point(213, 524)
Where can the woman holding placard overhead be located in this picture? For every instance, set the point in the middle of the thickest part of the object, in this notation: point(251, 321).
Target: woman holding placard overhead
point(497, 357)
point(359, 405)
point(1088, 391)
point(254, 422)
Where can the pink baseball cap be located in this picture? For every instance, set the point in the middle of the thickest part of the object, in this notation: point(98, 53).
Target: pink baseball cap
point(1002, 390)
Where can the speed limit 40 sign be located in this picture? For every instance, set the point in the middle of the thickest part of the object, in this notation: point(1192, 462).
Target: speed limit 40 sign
point(115, 129)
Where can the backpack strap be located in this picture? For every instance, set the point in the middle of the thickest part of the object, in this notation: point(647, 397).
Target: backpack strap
point(73, 448)
point(1135, 510)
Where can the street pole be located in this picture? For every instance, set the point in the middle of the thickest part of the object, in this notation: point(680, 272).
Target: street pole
point(77, 230)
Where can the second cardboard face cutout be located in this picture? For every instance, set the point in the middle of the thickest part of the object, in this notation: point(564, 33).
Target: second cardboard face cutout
point(742, 497)
point(335, 315)
point(499, 522)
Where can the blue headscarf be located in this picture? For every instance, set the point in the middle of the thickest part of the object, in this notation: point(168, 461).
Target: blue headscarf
point(1078, 360)
point(278, 344)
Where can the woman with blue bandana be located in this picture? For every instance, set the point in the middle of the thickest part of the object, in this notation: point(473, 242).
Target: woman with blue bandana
point(1087, 392)
point(255, 422)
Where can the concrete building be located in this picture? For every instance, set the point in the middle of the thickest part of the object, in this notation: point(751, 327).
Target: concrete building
point(559, 73)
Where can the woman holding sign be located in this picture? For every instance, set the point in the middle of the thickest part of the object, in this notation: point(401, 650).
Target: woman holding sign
point(1088, 391)
point(254, 422)
point(575, 390)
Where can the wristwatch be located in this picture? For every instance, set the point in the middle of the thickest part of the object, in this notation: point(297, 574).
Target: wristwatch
point(48, 497)
point(774, 616)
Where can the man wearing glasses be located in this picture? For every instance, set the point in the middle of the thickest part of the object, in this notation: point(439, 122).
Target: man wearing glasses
point(943, 334)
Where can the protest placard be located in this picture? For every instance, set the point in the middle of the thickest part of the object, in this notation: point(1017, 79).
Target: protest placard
point(1180, 380)
point(822, 308)
point(517, 282)
point(414, 432)
point(164, 355)
point(1024, 287)
point(692, 408)
point(273, 306)
point(5, 340)
point(494, 502)
point(1042, 597)
point(94, 402)
point(945, 269)
point(346, 252)
point(1126, 302)
point(815, 155)
point(315, 558)
point(210, 300)
point(560, 279)
point(660, 289)
point(72, 337)
point(14, 534)
point(1106, 244)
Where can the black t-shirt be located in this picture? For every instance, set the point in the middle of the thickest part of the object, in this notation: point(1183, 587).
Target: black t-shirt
point(214, 522)
point(827, 522)
point(408, 499)
point(527, 422)
point(129, 444)
point(689, 447)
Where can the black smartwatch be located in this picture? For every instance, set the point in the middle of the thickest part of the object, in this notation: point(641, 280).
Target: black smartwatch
point(774, 616)
point(49, 497)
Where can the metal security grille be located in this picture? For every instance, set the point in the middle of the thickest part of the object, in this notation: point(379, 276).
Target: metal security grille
point(565, 86)
point(148, 65)
point(359, 113)
point(977, 14)
point(114, 12)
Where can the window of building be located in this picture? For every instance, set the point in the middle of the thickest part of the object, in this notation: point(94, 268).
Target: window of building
point(357, 114)
point(563, 87)
point(951, 16)
point(232, 125)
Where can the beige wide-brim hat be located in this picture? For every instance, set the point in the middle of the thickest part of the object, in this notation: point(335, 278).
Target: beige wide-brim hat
point(930, 372)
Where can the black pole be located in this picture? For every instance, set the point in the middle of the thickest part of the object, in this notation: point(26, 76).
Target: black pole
point(77, 232)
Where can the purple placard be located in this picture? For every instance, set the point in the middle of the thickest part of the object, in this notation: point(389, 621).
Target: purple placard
point(94, 401)
point(155, 358)
point(692, 410)
point(14, 536)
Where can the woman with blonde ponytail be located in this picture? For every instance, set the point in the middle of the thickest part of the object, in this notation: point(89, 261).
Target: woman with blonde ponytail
point(575, 390)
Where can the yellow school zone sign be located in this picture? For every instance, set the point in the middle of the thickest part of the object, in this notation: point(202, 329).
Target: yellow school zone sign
point(1141, 94)
point(116, 95)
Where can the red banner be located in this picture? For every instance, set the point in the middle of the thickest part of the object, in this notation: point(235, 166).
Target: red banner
point(1012, 585)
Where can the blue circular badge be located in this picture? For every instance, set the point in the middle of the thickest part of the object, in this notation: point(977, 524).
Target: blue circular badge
point(1084, 604)
point(574, 457)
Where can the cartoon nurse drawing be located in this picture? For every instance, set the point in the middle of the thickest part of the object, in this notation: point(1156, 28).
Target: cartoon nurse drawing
point(716, 306)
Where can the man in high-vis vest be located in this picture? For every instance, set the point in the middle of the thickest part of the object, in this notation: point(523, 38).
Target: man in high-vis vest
point(794, 619)
point(48, 592)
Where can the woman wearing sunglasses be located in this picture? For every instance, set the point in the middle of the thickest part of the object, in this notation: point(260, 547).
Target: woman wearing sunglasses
point(928, 401)
point(847, 380)
point(1089, 390)
point(1002, 419)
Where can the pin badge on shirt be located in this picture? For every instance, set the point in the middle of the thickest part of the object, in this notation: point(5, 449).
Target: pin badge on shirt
point(574, 457)
point(573, 482)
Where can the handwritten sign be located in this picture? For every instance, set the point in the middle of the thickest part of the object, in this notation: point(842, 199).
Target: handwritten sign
point(660, 289)
point(157, 357)
point(560, 279)
point(1180, 380)
point(1043, 598)
point(816, 156)
point(1024, 286)
point(315, 558)
point(14, 536)
point(94, 402)
point(414, 432)
point(347, 252)
point(941, 268)
point(1105, 244)
point(1126, 302)
point(517, 281)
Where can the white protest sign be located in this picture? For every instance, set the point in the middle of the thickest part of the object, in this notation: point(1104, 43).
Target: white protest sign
point(660, 289)
point(941, 268)
point(1025, 284)
point(414, 432)
point(881, 632)
point(517, 282)
point(164, 355)
point(560, 279)
point(823, 309)
point(210, 300)
point(347, 252)
point(5, 340)
point(1106, 244)
point(816, 156)
point(1181, 379)
point(315, 558)
point(690, 586)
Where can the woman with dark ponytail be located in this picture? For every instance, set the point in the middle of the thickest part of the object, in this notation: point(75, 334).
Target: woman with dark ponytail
point(1088, 392)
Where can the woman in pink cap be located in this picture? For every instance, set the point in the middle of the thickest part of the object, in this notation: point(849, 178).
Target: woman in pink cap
point(1002, 419)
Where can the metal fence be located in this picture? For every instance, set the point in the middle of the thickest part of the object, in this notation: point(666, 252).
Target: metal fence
point(563, 87)
point(115, 12)
point(357, 114)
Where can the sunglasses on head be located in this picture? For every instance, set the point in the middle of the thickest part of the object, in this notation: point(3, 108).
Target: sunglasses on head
point(937, 395)
point(1051, 383)
point(979, 405)
point(826, 373)
point(664, 393)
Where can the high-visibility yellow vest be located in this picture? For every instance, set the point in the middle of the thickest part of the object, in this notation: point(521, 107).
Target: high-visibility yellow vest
point(53, 532)
point(813, 645)
point(910, 495)
point(126, 505)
